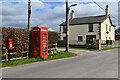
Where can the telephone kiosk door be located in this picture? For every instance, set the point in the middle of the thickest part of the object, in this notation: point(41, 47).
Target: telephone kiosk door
point(35, 49)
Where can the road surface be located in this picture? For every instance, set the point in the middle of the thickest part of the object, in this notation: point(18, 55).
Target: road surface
point(95, 64)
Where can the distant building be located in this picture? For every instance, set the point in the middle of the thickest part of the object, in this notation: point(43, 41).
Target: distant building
point(83, 30)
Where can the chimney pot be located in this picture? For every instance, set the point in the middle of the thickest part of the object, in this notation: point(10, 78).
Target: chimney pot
point(72, 14)
point(107, 10)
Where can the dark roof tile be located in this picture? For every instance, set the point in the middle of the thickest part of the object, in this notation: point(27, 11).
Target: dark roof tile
point(85, 20)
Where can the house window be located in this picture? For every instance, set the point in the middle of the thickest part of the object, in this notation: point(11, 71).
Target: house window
point(64, 29)
point(80, 38)
point(64, 38)
point(109, 38)
point(60, 29)
point(106, 38)
point(106, 27)
point(110, 28)
point(90, 27)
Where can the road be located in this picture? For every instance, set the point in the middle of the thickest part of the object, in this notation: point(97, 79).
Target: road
point(96, 64)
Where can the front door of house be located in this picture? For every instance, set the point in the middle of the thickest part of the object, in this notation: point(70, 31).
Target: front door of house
point(89, 38)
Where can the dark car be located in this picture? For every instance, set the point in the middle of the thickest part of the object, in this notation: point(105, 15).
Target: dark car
point(91, 46)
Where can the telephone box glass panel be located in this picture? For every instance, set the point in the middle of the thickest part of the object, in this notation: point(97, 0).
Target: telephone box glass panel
point(44, 43)
point(36, 41)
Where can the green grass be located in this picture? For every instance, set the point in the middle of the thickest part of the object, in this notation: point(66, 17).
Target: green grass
point(61, 55)
point(56, 55)
point(96, 49)
point(85, 49)
point(118, 47)
point(110, 48)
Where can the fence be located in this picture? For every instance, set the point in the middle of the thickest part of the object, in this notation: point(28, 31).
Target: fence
point(89, 44)
point(24, 54)
point(111, 44)
point(52, 48)
point(21, 38)
point(14, 55)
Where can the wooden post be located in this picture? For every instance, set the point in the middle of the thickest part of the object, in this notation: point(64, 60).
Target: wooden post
point(56, 46)
point(67, 27)
point(8, 55)
point(28, 54)
point(6, 51)
point(29, 17)
point(29, 14)
point(99, 44)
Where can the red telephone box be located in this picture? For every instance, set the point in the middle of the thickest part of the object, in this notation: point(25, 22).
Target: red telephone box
point(40, 42)
point(9, 43)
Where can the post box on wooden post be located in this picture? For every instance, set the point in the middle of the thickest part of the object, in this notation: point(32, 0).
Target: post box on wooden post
point(9, 46)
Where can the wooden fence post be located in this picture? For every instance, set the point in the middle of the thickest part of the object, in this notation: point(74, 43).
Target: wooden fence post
point(8, 55)
point(28, 54)
point(100, 45)
point(6, 51)
point(56, 46)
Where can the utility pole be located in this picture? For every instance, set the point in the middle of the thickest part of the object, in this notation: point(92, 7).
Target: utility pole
point(67, 27)
point(29, 14)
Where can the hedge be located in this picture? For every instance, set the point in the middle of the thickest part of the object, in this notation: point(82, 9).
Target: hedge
point(21, 38)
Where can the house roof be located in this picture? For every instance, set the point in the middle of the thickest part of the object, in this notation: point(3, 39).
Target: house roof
point(86, 20)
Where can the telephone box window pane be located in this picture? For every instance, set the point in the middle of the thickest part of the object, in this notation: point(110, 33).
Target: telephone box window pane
point(36, 41)
point(44, 43)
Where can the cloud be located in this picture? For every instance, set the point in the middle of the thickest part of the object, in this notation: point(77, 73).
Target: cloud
point(15, 13)
point(50, 29)
point(37, 4)
point(79, 0)
point(57, 15)
point(49, 14)
point(93, 9)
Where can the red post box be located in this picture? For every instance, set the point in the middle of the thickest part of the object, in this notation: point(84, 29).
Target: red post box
point(40, 42)
point(9, 43)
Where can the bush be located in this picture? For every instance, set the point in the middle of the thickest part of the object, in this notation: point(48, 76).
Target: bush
point(61, 43)
point(91, 46)
point(52, 37)
point(20, 38)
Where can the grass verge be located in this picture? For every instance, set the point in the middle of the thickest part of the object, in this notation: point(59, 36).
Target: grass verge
point(110, 48)
point(96, 49)
point(85, 49)
point(56, 55)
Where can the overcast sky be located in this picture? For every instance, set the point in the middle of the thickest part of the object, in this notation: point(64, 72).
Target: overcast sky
point(51, 13)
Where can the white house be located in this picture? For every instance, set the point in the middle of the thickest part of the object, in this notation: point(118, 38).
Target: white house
point(86, 29)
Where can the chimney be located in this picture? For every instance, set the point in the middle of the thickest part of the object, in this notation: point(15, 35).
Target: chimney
point(107, 11)
point(72, 14)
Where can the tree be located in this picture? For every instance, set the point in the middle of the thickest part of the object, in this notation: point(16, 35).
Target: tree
point(117, 31)
point(117, 34)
